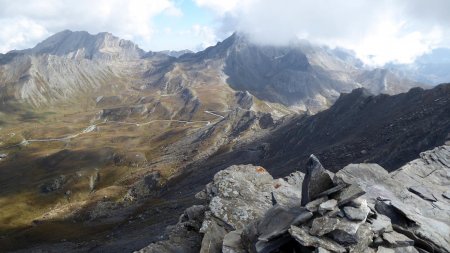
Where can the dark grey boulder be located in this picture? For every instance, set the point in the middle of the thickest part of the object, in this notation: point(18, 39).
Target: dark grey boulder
point(317, 180)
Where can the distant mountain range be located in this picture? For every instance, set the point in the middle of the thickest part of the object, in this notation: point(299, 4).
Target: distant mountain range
point(304, 77)
point(431, 68)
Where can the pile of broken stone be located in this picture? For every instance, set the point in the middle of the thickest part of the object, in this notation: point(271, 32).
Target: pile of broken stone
point(331, 217)
point(361, 208)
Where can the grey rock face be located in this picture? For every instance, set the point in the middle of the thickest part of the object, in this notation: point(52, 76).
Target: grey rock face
point(294, 75)
point(430, 219)
point(316, 181)
point(422, 192)
point(244, 99)
point(240, 194)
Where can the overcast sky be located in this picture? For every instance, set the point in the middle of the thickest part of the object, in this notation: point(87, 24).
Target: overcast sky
point(379, 31)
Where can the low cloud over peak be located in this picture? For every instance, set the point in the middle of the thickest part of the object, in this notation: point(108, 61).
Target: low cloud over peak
point(378, 31)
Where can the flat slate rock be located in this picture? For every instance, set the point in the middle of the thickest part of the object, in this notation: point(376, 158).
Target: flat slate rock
point(348, 194)
point(304, 238)
point(354, 213)
point(323, 225)
point(316, 181)
point(331, 190)
point(328, 205)
point(278, 220)
point(396, 239)
point(313, 206)
point(381, 224)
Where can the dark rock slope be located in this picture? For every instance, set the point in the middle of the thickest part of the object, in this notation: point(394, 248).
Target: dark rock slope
point(360, 127)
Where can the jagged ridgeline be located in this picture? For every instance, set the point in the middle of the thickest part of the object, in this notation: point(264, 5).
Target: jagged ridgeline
point(361, 208)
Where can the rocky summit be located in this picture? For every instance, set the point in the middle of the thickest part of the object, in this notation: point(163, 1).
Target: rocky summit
point(361, 208)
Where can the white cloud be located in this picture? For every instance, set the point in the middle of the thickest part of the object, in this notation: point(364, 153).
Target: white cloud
point(220, 6)
point(379, 31)
point(25, 23)
point(11, 37)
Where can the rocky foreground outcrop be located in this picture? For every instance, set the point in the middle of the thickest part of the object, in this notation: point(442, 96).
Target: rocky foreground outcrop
point(361, 208)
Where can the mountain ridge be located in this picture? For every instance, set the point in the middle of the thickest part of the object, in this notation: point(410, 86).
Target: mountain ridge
point(301, 76)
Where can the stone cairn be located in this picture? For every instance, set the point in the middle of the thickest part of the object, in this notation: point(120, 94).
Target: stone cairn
point(332, 217)
point(328, 215)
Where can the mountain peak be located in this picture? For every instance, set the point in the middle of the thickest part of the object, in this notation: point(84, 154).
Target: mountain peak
point(81, 44)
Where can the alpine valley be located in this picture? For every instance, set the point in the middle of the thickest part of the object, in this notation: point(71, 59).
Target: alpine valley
point(104, 145)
